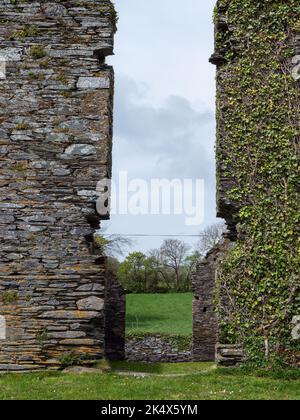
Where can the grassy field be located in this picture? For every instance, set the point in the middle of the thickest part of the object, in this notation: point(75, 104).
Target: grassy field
point(171, 314)
point(159, 313)
point(180, 381)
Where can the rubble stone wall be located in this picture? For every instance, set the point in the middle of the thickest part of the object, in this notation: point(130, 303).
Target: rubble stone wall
point(205, 321)
point(157, 348)
point(205, 324)
point(55, 145)
point(115, 317)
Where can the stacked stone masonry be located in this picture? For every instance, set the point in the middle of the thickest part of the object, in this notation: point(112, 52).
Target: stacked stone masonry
point(204, 319)
point(115, 315)
point(205, 322)
point(156, 348)
point(55, 145)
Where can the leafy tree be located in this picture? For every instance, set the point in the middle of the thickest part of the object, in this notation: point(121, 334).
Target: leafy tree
point(164, 273)
point(189, 267)
point(137, 273)
point(113, 265)
point(168, 268)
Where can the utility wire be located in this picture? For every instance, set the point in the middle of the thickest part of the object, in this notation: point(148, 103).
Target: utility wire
point(146, 235)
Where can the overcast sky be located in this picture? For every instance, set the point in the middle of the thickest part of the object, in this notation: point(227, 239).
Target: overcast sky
point(164, 123)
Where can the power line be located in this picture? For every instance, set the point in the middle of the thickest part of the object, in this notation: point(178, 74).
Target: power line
point(148, 235)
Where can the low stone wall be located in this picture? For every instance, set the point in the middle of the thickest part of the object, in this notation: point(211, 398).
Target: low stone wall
point(157, 348)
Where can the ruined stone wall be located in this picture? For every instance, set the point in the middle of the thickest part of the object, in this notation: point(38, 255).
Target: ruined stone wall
point(258, 91)
point(158, 348)
point(258, 159)
point(115, 317)
point(205, 327)
point(205, 322)
point(55, 145)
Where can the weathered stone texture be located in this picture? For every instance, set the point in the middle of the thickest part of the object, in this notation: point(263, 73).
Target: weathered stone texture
point(55, 145)
point(115, 317)
point(229, 355)
point(156, 348)
point(205, 323)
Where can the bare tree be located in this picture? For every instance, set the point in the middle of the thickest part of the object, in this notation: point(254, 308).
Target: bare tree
point(155, 255)
point(210, 237)
point(116, 245)
point(173, 253)
point(112, 245)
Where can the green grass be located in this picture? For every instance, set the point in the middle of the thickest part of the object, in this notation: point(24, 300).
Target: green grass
point(159, 313)
point(165, 314)
point(163, 368)
point(200, 381)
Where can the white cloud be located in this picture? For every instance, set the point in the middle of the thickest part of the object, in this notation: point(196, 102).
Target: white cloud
point(164, 103)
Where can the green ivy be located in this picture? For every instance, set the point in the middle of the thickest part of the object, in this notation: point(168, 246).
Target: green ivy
point(258, 145)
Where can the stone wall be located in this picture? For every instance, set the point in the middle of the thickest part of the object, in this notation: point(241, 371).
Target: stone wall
point(204, 319)
point(55, 145)
point(205, 322)
point(156, 348)
point(258, 74)
point(229, 355)
point(115, 317)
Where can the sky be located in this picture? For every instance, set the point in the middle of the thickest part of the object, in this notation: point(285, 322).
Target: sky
point(164, 122)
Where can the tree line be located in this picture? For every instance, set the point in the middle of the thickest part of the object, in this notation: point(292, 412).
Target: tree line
point(168, 268)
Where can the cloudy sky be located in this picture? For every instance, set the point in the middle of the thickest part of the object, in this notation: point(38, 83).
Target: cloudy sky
point(164, 106)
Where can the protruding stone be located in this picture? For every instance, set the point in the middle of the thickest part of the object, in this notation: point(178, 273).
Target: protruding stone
point(52, 10)
point(296, 68)
point(90, 304)
point(80, 150)
point(93, 83)
point(229, 355)
point(11, 54)
point(88, 194)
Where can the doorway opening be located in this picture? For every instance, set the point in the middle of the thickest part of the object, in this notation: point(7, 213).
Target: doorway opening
point(164, 128)
point(159, 327)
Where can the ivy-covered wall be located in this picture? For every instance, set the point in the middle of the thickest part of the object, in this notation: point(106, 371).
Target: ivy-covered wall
point(258, 97)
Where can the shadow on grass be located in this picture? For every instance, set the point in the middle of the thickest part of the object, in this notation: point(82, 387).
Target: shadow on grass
point(164, 369)
point(138, 367)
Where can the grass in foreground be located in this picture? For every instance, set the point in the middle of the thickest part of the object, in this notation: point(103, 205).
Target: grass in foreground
point(201, 381)
point(159, 313)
